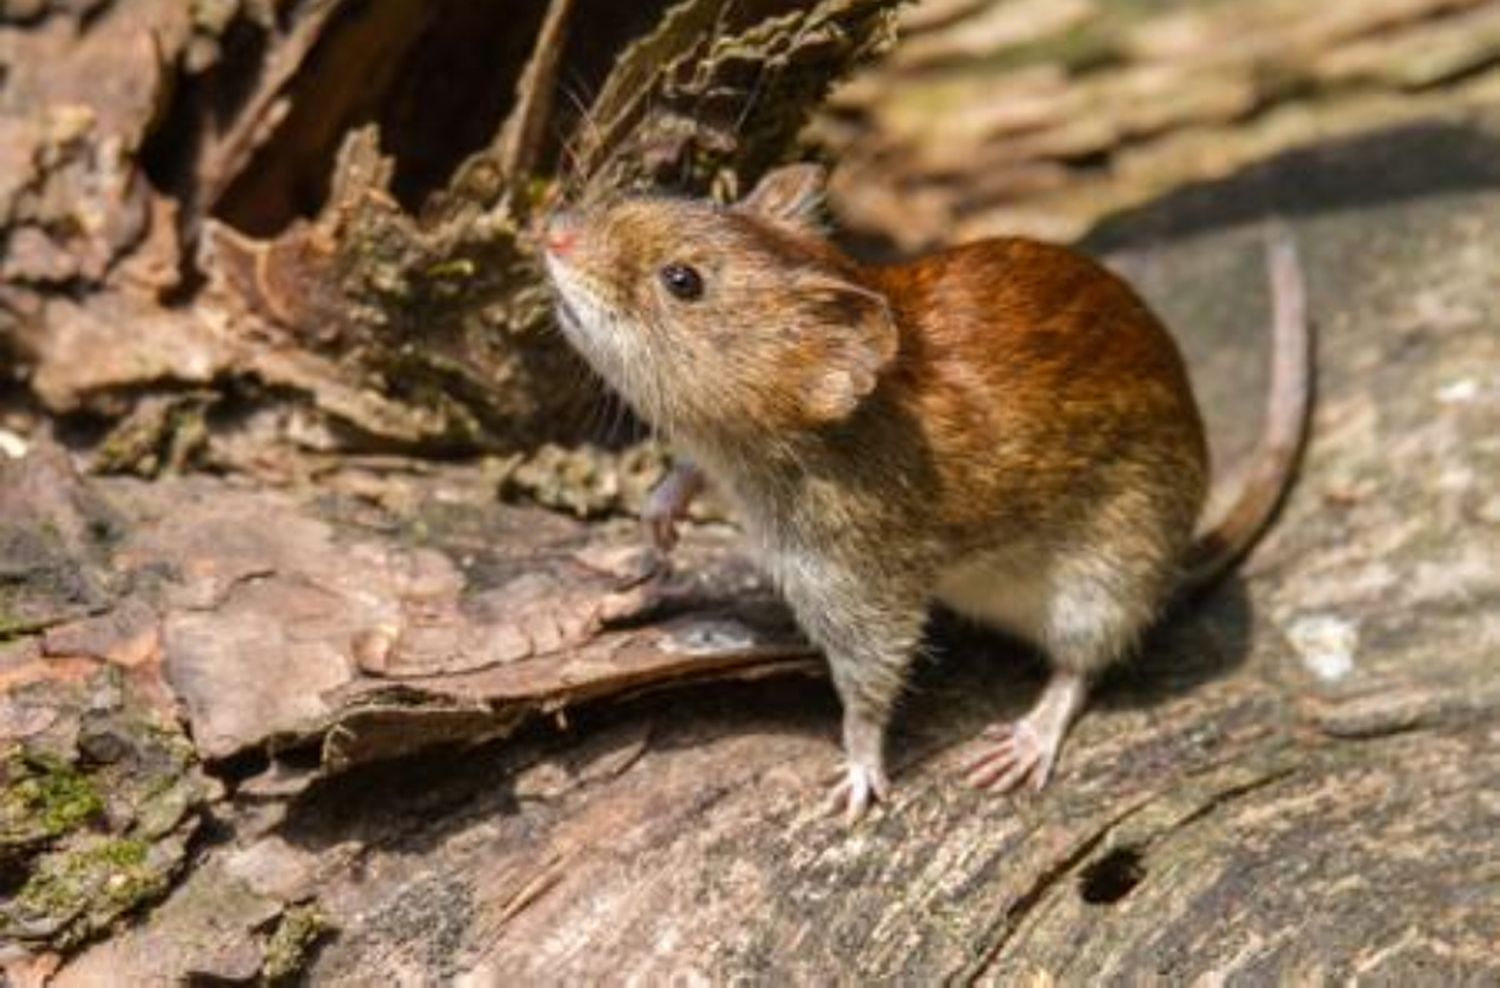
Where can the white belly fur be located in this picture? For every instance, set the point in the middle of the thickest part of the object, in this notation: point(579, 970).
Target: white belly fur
point(1011, 591)
point(1079, 607)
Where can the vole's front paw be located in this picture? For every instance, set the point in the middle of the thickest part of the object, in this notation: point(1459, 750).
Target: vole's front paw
point(660, 522)
point(860, 786)
point(668, 503)
point(659, 518)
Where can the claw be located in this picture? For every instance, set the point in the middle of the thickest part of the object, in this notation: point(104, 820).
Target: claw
point(662, 529)
point(861, 786)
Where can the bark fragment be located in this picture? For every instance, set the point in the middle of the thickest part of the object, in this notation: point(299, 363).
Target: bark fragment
point(1042, 117)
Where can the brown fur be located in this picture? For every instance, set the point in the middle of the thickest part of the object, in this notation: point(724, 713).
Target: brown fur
point(1043, 385)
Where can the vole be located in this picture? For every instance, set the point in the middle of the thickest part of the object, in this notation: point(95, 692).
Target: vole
point(1002, 427)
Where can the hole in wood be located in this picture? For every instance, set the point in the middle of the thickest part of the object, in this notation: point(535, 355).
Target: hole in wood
point(1112, 877)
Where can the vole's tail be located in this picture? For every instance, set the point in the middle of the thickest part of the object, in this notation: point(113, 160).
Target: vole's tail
point(1227, 533)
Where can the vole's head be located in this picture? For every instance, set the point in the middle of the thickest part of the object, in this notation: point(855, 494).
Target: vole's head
point(721, 319)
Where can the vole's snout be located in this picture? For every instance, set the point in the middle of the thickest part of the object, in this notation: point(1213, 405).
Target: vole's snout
point(561, 233)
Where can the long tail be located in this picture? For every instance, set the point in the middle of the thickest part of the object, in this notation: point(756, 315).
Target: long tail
point(1225, 537)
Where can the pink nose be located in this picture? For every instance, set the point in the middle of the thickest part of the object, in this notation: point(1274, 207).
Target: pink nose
point(561, 234)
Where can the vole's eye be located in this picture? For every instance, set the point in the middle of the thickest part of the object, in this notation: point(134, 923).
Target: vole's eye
point(683, 281)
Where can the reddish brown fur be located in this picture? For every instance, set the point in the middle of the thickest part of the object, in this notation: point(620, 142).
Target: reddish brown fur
point(1030, 368)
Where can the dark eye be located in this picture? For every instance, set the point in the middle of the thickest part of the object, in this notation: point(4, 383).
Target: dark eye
point(683, 281)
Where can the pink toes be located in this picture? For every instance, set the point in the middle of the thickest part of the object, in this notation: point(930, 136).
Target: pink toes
point(1009, 754)
point(662, 528)
point(861, 786)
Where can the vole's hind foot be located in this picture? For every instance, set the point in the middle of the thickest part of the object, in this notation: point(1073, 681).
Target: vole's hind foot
point(1026, 750)
point(853, 794)
point(1011, 754)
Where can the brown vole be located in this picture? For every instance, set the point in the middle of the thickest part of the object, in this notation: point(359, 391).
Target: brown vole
point(1003, 427)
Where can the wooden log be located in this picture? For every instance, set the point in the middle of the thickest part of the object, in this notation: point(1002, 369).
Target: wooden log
point(1294, 781)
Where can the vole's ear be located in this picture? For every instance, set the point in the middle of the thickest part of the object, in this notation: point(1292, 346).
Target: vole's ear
point(856, 340)
point(789, 195)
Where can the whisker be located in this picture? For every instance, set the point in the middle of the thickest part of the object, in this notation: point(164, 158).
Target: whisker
point(587, 129)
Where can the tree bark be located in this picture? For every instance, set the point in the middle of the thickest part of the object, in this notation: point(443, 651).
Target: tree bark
point(366, 722)
point(319, 209)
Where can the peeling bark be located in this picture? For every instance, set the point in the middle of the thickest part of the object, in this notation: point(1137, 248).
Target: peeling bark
point(329, 200)
point(1044, 117)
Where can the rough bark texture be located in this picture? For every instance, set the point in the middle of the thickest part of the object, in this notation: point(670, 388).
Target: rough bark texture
point(1044, 116)
point(313, 215)
point(366, 723)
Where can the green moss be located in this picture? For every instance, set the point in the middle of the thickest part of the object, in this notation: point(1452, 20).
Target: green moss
point(44, 798)
point(301, 927)
point(456, 269)
point(162, 809)
point(76, 893)
point(10, 625)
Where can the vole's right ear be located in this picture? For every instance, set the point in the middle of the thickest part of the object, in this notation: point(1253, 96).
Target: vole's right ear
point(789, 195)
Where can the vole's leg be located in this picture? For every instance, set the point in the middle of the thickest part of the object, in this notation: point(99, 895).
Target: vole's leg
point(668, 503)
point(868, 622)
point(870, 667)
point(865, 779)
point(1015, 751)
point(1084, 625)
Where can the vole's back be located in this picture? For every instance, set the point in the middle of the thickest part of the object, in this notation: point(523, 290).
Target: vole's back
point(1050, 395)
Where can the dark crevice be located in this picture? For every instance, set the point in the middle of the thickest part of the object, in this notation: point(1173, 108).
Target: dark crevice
point(437, 78)
point(589, 57)
point(1096, 162)
point(455, 91)
point(204, 102)
point(306, 756)
point(1029, 898)
point(1115, 874)
point(239, 767)
point(341, 85)
point(302, 755)
point(13, 874)
point(1112, 877)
